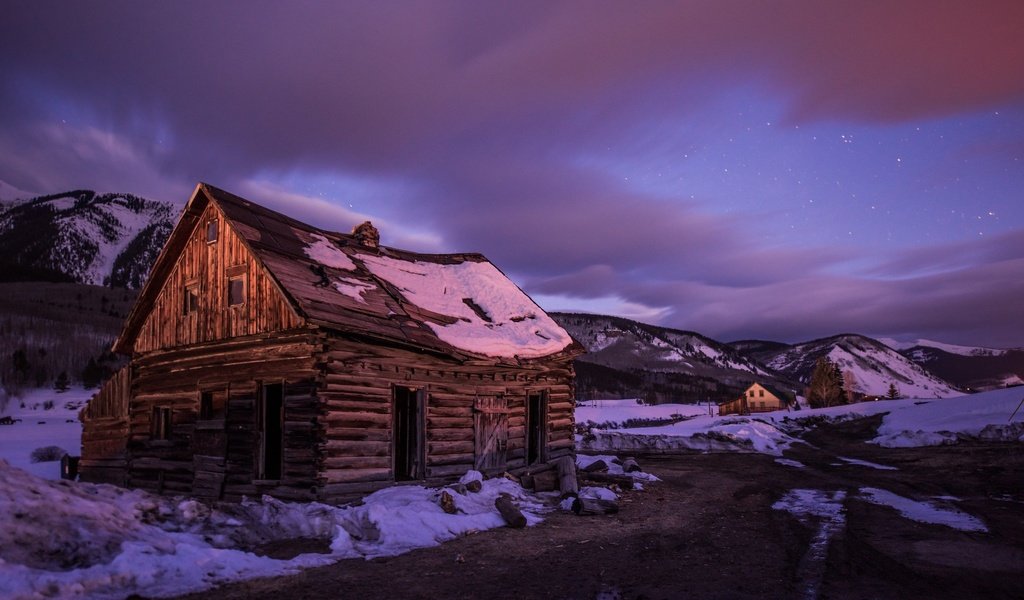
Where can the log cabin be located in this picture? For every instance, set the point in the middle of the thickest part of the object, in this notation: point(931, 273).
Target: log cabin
point(268, 356)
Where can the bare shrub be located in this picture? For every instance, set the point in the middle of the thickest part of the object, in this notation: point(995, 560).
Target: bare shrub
point(48, 454)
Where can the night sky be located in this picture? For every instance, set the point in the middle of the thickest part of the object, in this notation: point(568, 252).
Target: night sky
point(775, 170)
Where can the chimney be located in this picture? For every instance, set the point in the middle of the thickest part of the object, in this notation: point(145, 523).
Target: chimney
point(366, 235)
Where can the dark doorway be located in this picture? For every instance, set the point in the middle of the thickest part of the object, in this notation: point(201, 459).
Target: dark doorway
point(536, 427)
point(270, 413)
point(408, 434)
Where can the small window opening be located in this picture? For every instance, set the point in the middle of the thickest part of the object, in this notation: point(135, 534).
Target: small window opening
point(760, 393)
point(190, 303)
point(236, 291)
point(211, 231)
point(211, 404)
point(161, 425)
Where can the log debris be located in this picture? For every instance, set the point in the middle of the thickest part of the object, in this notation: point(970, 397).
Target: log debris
point(448, 503)
point(623, 481)
point(514, 517)
point(594, 506)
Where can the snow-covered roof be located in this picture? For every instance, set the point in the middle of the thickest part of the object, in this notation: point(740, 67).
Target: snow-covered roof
point(457, 304)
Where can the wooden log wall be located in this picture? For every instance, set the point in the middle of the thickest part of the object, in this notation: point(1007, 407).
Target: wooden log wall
point(209, 266)
point(356, 406)
point(105, 432)
point(217, 458)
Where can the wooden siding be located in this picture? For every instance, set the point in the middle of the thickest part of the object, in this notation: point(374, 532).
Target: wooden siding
point(218, 458)
point(105, 432)
point(209, 266)
point(356, 408)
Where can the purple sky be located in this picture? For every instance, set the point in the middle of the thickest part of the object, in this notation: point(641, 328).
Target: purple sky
point(781, 170)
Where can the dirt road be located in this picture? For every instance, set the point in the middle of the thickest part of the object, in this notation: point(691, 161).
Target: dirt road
point(709, 531)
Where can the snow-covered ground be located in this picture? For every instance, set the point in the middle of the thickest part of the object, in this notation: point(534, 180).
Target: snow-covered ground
point(606, 414)
point(983, 416)
point(40, 427)
point(79, 540)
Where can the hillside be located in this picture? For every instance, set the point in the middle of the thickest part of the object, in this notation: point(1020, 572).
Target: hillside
point(48, 328)
point(975, 369)
point(872, 364)
point(84, 237)
point(630, 359)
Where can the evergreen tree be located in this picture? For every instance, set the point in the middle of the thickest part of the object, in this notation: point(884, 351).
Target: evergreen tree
point(893, 393)
point(62, 384)
point(840, 385)
point(92, 374)
point(826, 387)
point(21, 366)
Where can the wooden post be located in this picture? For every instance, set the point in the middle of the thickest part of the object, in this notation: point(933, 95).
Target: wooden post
point(567, 482)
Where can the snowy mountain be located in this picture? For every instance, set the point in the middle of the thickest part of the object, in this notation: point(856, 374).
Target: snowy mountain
point(970, 368)
point(872, 365)
point(82, 236)
point(948, 348)
point(626, 358)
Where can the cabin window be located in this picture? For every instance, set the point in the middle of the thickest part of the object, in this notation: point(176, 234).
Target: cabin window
point(760, 393)
point(190, 300)
point(751, 393)
point(236, 291)
point(212, 404)
point(160, 427)
point(211, 231)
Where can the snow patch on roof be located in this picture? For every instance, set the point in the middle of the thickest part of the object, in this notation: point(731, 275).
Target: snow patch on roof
point(492, 316)
point(353, 288)
point(327, 254)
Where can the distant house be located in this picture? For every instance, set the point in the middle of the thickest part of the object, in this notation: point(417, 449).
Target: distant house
point(269, 356)
point(756, 398)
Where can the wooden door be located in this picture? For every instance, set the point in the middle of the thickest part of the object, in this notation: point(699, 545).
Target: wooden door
point(490, 416)
point(210, 445)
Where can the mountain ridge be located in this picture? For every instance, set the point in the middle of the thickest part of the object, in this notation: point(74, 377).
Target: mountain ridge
point(84, 237)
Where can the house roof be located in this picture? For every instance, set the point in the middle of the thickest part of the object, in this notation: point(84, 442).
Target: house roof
point(456, 304)
point(772, 390)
